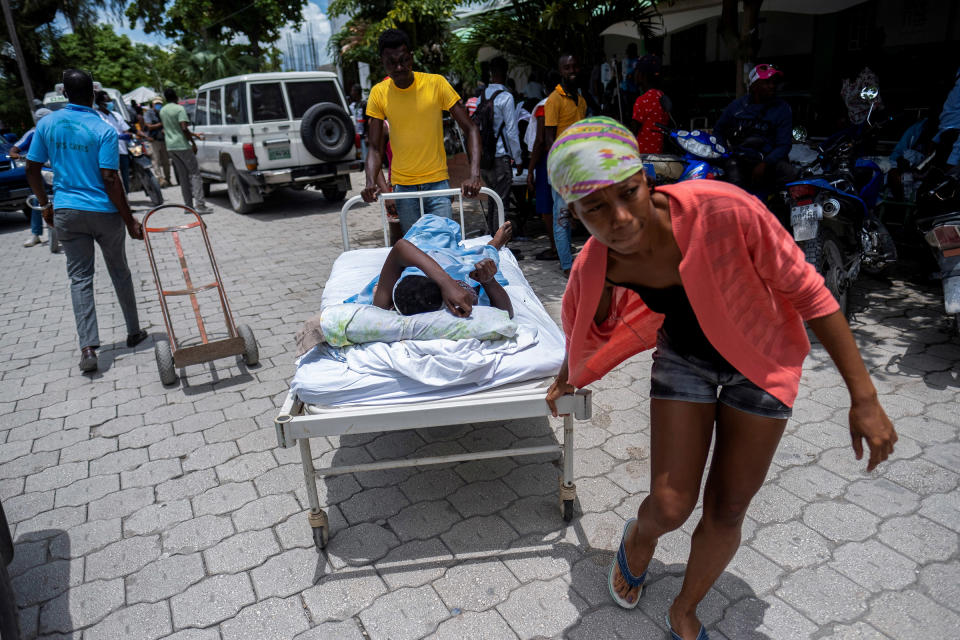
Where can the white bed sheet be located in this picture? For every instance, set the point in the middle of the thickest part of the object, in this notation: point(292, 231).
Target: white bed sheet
point(419, 370)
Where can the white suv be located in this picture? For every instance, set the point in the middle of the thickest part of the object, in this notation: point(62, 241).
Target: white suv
point(269, 130)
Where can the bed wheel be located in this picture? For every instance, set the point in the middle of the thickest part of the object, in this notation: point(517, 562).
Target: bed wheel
point(251, 353)
point(320, 526)
point(567, 510)
point(168, 374)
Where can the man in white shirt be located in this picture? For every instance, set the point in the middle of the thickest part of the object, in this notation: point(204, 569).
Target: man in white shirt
point(508, 152)
point(105, 110)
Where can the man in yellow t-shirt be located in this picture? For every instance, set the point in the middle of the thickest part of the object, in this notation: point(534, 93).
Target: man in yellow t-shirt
point(564, 107)
point(413, 104)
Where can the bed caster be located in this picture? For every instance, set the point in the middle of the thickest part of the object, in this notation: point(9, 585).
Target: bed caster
point(320, 526)
point(568, 494)
point(251, 353)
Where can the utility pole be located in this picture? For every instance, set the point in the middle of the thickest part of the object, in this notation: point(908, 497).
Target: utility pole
point(15, 41)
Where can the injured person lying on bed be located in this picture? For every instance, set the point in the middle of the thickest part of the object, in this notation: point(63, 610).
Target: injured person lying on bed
point(433, 317)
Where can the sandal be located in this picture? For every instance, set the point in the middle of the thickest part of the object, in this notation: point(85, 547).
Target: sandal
point(621, 563)
point(702, 635)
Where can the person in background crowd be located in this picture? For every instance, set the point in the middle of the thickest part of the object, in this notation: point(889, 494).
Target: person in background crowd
point(947, 139)
point(105, 108)
point(564, 106)
point(508, 152)
point(20, 147)
point(358, 108)
point(534, 88)
point(537, 181)
point(413, 103)
point(651, 108)
point(183, 151)
point(628, 85)
point(91, 207)
point(857, 107)
point(158, 146)
point(760, 121)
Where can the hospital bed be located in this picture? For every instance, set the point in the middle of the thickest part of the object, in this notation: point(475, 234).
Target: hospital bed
point(381, 406)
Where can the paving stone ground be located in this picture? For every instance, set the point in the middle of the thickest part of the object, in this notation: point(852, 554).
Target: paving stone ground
point(144, 511)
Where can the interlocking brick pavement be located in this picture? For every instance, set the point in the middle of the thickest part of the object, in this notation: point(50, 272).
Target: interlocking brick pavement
point(144, 511)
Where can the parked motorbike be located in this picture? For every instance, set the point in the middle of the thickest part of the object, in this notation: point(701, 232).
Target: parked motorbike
point(831, 212)
point(940, 204)
point(702, 159)
point(141, 173)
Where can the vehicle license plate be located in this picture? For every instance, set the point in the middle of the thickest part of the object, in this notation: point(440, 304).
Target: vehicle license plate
point(278, 153)
point(805, 221)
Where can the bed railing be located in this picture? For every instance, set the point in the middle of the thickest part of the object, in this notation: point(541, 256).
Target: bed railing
point(420, 195)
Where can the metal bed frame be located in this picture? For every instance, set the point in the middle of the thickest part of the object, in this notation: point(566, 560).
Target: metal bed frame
point(299, 421)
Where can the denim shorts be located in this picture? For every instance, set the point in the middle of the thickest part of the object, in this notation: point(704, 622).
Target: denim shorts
point(691, 379)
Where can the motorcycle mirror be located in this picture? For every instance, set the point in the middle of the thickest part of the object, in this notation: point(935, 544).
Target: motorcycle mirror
point(799, 134)
point(869, 93)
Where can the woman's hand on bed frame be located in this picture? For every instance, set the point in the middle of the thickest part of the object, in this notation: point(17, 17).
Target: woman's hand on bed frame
point(560, 387)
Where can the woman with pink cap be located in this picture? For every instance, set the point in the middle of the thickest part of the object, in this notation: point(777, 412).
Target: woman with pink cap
point(705, 274)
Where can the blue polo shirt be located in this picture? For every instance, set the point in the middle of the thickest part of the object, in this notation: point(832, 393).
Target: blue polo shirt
point(78, 143)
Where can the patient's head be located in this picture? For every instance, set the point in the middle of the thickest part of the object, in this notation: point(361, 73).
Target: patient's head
point(417, 294)
point(420, 294)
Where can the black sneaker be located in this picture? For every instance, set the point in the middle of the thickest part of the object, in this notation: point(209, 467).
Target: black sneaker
point(136, 338)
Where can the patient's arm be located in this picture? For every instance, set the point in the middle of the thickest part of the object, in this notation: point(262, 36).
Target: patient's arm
point(405, 254)
point(484, 272)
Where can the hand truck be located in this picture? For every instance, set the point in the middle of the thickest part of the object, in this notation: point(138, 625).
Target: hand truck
point(170, 355)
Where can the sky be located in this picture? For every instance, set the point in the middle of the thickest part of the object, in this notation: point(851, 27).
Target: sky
point(314, 13)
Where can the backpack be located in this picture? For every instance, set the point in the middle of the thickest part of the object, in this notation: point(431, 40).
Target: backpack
point(483, 119)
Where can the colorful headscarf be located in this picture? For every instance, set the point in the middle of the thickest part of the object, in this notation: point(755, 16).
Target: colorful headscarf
point(592, 154)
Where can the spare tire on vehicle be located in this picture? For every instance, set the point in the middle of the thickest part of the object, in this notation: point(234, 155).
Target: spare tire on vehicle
point(327, 131)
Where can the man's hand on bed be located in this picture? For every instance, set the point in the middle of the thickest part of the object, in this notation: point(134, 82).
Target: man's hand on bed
point(484, 271)
point(458, 300)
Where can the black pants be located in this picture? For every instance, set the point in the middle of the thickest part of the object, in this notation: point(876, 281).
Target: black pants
point(500, 179)
point(740, 172)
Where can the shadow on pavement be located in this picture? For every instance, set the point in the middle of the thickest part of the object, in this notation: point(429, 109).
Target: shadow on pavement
point(41, 574)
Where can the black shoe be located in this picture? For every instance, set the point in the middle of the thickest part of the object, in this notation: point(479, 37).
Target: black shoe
point(547, 254)
point(136, 338)
point(88, 359)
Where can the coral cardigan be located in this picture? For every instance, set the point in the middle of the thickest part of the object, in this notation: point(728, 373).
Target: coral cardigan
point(748, 283)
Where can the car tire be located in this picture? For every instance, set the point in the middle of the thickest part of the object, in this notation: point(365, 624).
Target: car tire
point(238, 200)
point(333, 195)
point(327, 131)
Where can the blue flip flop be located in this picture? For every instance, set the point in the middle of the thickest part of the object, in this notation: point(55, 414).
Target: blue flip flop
point(621, 563)
point(702, 635)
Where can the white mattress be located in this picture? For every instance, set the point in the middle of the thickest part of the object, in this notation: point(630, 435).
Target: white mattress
point(414, 371)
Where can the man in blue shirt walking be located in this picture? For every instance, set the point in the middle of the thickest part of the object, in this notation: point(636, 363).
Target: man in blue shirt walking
point(91, 207)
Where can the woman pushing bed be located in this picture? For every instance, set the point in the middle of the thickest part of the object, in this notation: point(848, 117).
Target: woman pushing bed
point(428, 269)
point(705, 274)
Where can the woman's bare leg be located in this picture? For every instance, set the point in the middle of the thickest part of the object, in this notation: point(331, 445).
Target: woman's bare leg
point(680, 434)
point(745, 446)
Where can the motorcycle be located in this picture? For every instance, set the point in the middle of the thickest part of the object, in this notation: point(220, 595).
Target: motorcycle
point(831, 212)
point(941, 230)
point(703, 155)
point(141, 173)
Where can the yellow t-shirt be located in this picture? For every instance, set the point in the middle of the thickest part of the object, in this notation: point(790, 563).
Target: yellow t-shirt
point(561, 111)
point(416, 125)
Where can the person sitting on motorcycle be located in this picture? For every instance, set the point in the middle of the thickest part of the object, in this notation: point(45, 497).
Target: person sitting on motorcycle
point(105, 108)
point(758, 127)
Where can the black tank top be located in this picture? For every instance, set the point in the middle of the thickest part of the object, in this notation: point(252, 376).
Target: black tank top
point(680, 322)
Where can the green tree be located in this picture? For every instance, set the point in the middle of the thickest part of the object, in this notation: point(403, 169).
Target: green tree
point(426, 22)
point(533, 32)
point(112, 59)
point(205, 24)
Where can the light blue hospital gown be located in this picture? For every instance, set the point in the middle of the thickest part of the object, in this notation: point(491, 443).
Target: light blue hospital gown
point(439, 238)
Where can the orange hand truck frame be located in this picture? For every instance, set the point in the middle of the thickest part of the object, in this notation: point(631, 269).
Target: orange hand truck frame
point(170, 355)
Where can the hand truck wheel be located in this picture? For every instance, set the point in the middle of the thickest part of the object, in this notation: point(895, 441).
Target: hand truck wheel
point(251, 353)
point(168, 373)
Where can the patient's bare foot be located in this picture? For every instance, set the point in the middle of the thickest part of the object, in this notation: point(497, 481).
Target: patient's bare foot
point(502, 236)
